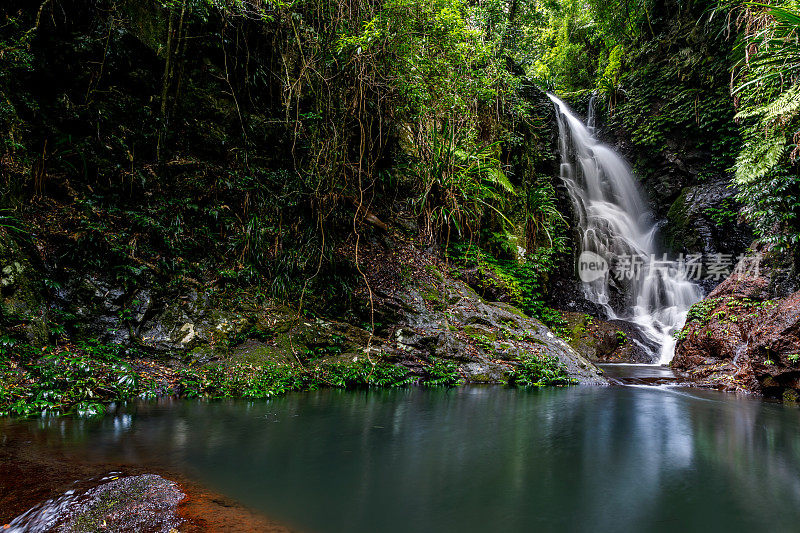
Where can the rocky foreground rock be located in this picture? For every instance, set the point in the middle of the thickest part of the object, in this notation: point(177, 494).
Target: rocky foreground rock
point(146, 502)
point(608, 341)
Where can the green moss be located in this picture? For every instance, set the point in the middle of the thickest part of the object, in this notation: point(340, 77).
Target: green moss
point(435, 271)
point(93, 519)
point(679, 232)
point(524, 282)
point(433, 295)
point(480, 334)
point(21, 302)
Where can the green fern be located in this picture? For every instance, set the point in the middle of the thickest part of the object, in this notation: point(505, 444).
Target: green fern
point(769, 92)
point(785, 107)
point(760, 154)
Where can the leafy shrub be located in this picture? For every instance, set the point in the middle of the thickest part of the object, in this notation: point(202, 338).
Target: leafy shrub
point(63, 381)
point(767, 89)
point(525, 281)
point(442, 373)
point(239, 380)
point(698, 312)
point(540, 371)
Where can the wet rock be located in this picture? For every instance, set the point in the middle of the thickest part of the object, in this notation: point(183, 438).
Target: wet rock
point(704, 219)
point(144, 503)
point(624, 374)
point(140, 305)
point(441, 317)
point(483, 373)
point(773, 349)
point(486, 283)
point(98, 307)
point(745, 336)
point(195, 320)
point(608, 341)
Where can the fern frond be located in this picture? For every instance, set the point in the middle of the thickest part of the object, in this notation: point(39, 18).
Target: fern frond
point(498, 177)
point(786, 106)
point(760, 155)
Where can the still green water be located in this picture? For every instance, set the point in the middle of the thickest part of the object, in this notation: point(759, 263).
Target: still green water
point(475, 459)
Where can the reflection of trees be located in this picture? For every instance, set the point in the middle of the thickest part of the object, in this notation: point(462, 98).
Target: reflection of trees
point(757, 446)
point(616, 459)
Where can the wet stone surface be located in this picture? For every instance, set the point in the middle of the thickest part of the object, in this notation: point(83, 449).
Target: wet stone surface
point(140, 503)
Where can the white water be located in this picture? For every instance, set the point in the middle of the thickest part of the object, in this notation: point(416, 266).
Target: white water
point(616, 224)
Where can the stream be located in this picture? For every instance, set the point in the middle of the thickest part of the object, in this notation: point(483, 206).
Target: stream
point(618, 458)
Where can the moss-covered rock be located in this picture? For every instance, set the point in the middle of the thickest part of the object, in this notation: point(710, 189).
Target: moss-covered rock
point(609, 341)
point(487, 340)
point(146, 502)
point(23, 312)
point(745, 336)
point(705, 219)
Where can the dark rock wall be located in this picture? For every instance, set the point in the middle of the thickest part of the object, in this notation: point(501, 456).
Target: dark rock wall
point(22, 304)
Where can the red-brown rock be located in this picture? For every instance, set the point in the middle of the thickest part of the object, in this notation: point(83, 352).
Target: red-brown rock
point(739, 339)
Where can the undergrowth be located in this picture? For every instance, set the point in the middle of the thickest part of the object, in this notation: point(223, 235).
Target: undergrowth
point(78, 380)
point(542, 371)
point(83, 380)
point(523, 281)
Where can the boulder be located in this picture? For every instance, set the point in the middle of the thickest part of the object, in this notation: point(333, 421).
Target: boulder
point(745, 336)
point(705, 219)
point(145, 502)
point(436, 316)
point(608, 341)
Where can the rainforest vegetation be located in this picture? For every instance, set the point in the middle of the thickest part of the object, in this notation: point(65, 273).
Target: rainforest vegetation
point(266, 150)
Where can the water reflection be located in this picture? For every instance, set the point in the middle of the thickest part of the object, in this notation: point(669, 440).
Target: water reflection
point(472, 459)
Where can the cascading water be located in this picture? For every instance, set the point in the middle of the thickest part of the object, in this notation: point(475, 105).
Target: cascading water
point(616, 224)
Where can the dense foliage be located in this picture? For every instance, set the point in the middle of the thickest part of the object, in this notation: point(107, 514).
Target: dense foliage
point(244, 141)
point(262, 145)
point(540, 372)
point(83, 379)
point(78, 379)
point(767, 92)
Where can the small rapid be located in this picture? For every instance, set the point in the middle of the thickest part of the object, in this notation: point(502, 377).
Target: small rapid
point(640, 284)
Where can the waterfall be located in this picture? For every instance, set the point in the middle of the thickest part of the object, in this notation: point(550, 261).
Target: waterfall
point(639, 283)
